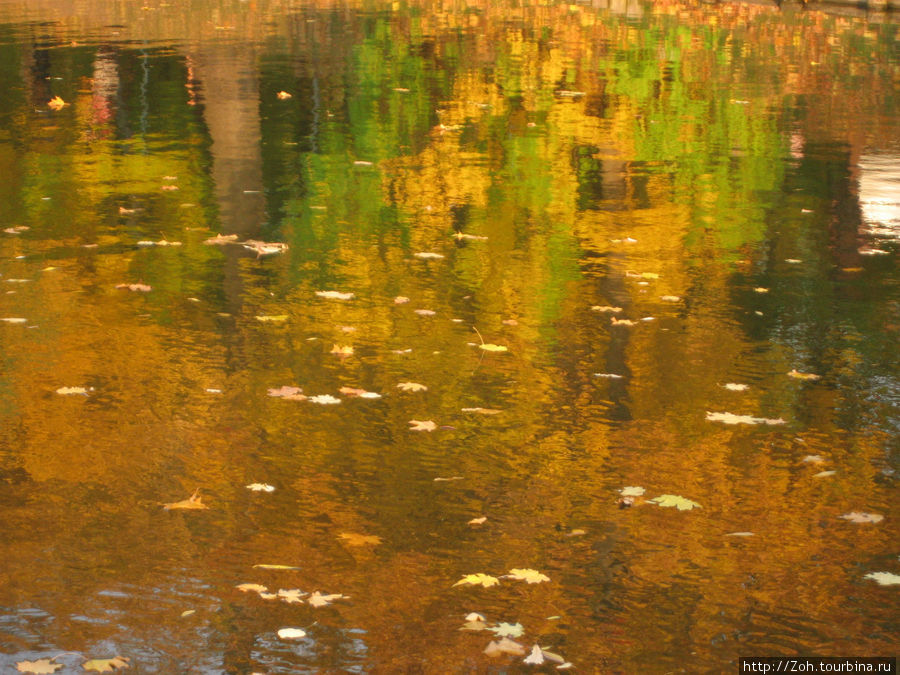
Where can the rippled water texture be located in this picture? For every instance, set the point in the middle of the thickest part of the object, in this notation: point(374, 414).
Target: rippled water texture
point(644, 246)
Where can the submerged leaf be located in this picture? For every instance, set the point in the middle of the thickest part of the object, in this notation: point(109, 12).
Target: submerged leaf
point(360, 539)
point(528, 575)
point(192, 502)
point(106, 665)
point(677, 501)
point(504, 646)
point(478, 579)
point(342, 350)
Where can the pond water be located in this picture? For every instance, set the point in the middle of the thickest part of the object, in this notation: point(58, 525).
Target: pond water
point(518, 257)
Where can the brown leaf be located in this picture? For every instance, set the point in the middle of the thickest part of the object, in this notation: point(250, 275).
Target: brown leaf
point(192, 502)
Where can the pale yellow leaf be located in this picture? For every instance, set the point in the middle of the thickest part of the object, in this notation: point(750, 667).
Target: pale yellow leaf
point(535, 658)
point(488, 347)
point(422, 425)
point(477, 521)
point(481, 411)
point(260, 487)
point(68, 391)
point(321, 600)
point(192, 502)
point(411, 386)
point(797, 375)
point(291, 595)
point(360, 539)
point(426, 255)
point(291, 633)
point(324, 399)
point(255, 588)
point(528, 575)
point(606, 308)
point(264, 566)
point(884, 578)
point(676, 501)
point(730, 418)
point(41, 666)
point(860, 517)
point(335, 295)
point(342, 350)
point(272, 318)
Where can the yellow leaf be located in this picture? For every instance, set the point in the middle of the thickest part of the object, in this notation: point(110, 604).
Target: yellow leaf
point(488, 347)
point(422, 425)
point(283, 95)
point(481, 411)
point(321, 600)
point(291, 595)
point(477, 521)
point(335, 295)
point(106, 665)
point(360, 539)
point(255, 588)
point(859, 517)
point(678, 502)
point(272, 318)
point(56, 103)
point(192, 502)
point(342, 350)
point(478, 579)
point(291, 633)
point(40, 666)
point(66, 391)
point(606, 308)
point(529, 575)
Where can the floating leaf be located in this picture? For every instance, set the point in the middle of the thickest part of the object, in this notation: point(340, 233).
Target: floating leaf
point(425, 312)
point(68, 391)
point(40, 666)
point(56, 103)
point(106, 665)
point(427, 255)
point(324, 399)
point(13, 319)
point(678, 502)
point(793, 261)
point(321, 600)
point(264, 566)
point(576, 533)
point(488, 347)
point(291, 633)
point(740, 534)
point(262, 248)
point(254, 588)
point(535, 658)
point(824, 474)
point(478, 579)
point(411, 386)
point(670, 298)
point(475, 616)
point(358, 393)
point(760, 289)
point(477, 521)
point(260, 487)
point(342, 350)
point(732, 386)
point(221, 239)
point(504, 646)
point(188, 612)
point(481, 411)
point(291, 595)
point(440, 479)
point(608, 376)
point(143, 288)
point(360, 539)
point(288, 393)
point(474, 624)
point(528, 575)
point(192, 502)
point(400, 300)
point(621, 322)
point(510, 630)
point(859, 517)
point(606, 308)
point(796, 374)
point(813, 459)
point(884, 578)
point(283, 96)
point(422, 425)
point(469, 237)
point(730, 418)
point(272, 318)
point(335, 295)
point(632, 491)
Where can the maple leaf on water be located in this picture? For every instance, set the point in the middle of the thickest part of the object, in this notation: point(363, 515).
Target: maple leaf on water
point(510, 630)
point(106, 665)
point(859, 517)
point(322, 600)
point(358, 393)
point(221, 239)
point(529, 575)
point(260, 487)
point(478, 579)
point(324, 399)
point(291, 595)
point(883, 578)
point(677, 501)
point(192, 502)
point(40, 666)
point(422, 425)
point(56, 103)
point(411, 386)
point(731, 418)
point(360, 539)
point(255, 588)
point(288, 393)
